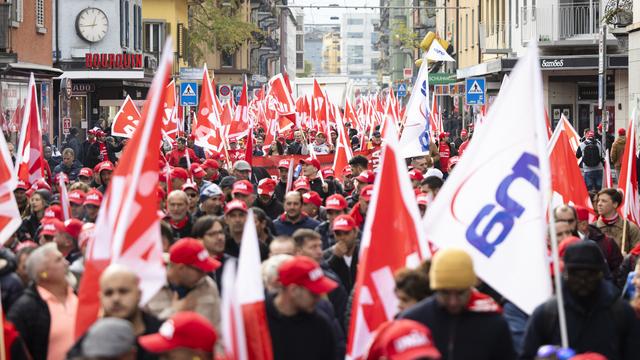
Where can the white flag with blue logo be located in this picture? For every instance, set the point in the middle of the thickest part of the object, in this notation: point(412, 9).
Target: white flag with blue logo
point(494, 203)
point(438, 53)
point(414, 140)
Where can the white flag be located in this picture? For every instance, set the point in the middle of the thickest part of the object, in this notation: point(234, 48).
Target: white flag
point(437, 52)
point(494, 203)
point(414, 140)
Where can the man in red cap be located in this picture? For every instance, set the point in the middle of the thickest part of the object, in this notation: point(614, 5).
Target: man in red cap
point(66, 238)
point(416, 178)
point(402, 340)
point(91, 205)
point(366, 177)
point(297, 330)
point(178, 215)
point(310, 167)
point(186, 335)
point(293, 217)
point(283, 174)
point(342, 257)
point(466, 139)
point(347, 181)
point(335, 205)
point(179, 177)
point(444, 152)
point(76, 200)
point(243, 190)
point(235, 216)
point(266, 199)
point(312, 205)
point(105, 170)
point(180, 152)
point(188, 287)
point(86, 175)
point(359, 211)
point(20, 194)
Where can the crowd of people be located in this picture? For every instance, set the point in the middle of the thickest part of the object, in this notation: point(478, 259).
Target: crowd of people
point(309, 229)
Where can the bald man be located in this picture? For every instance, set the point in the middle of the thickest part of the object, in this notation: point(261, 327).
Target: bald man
point(178, 215)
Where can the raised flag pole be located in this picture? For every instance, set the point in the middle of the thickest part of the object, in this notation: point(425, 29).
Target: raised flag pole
point(556, 270)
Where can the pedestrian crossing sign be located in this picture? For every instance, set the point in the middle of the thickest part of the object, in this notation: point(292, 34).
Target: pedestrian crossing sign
point(188, 94)
point(475, 91)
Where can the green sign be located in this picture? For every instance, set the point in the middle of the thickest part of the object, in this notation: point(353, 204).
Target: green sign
point(442, 78)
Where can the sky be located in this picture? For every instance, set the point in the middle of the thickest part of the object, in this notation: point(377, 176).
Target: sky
point(322, 16)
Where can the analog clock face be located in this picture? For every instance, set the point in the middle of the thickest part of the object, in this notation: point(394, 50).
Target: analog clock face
point(92, 24)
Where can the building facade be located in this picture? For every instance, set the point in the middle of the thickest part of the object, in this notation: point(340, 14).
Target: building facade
point(331, 53)
point(358, 44)
point(313, 49)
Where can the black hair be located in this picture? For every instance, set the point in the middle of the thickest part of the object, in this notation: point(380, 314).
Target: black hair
point(433, 182)
point(360, 161)
point(203, 224)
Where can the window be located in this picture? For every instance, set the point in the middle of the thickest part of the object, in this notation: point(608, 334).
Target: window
point(40, 13)
point(466, 31)
point(227, 60)
point(473, 28)
point(355, 21)
point(127, 23)
point(153, 37)
point(122, 22)
point(300, 61)
point(354, 35)
point(356, 72)
point(355, 50)
point(517, 13)
point(299, 42)
point(356, 61)
point(135, 27)
point(299, 23)
point(17, 11)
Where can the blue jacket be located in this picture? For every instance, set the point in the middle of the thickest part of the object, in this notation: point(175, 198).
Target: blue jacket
point(285, 227)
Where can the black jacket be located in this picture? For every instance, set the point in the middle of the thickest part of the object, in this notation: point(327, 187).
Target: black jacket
point(346, 274)
point(280, 192)
point(30, 315)
point(470, 335)
point(273, 208)
point(328, 239)
point(10, 283)
point(71, 171)
point(316, 185)
point(338, 296)
point(610, 327)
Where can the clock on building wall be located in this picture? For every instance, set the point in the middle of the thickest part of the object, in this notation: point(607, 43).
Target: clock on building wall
point(92, 24)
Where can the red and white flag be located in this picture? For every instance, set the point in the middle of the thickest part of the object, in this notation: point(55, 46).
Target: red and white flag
point(10, 219)
point(245, 330)
point(567, 182)
point(240, 124)
point(394, 215)
point(344, 152)
point(29, 159)
point(628, 179)
point(206, 127)
point(607, 176)
point(127, 232)
point(64, 199)
point(126, 120)
point(171, 119)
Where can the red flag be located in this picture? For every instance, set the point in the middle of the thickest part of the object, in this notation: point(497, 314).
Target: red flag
point(207, 123)
point(374, 301)
point(171, 117)
point(607, 177)
point(127, 232)
point(628, 180)
point(245, 330)
point(343, 149)
point(10, 219)
point(567, 182)
point(126, 120)
point(240, 125)
point(29, 159)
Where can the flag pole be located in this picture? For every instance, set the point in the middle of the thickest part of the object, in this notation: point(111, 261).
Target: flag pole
point(624, 236)
point(558, 283)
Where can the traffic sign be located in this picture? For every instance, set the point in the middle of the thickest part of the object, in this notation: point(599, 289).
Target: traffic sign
point(188, 94)
point(224, 90)
point(402, 90)
point(190, 73)
point(408, 73)
point(66, 125)
point(475, 90)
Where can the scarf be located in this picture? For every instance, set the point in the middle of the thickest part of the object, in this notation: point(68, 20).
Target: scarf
point(609, 221)
point(103, 151)
point(179, 224)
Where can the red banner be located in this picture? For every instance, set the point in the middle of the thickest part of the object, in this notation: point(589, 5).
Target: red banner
point(270, 163)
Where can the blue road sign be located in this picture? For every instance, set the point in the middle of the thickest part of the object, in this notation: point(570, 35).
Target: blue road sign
point(189, 94)
point(475, 90)
point(402, 90)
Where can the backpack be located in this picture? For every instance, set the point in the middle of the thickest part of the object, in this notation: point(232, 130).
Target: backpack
point(591, 154)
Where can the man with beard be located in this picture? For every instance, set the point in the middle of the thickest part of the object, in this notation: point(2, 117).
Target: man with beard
point(211, 201)
point(293, 217)
point(266, 199)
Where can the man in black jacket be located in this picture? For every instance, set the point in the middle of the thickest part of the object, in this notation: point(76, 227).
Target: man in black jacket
point(343, 256)
point(266, 199)
point(310, 168)
point(461, 329)
point(597, 319)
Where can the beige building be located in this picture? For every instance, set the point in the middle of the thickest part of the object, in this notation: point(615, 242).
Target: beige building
point(331, 53)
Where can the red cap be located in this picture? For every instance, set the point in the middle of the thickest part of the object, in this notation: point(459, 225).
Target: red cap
point(94, 197)
point(284, 163)
point(301, 184)
point(367, 177)
point(54, 212)
point(336, 202)
point(600, 127)
point(179, 173)
point(622, 132)
point(77, 197)
point(443, 135)
point(192, 252)
point(303, 271)
point(185, 329)
point(73, 227)
point(62, 176)
point(197, 171)
point(189, 185)
point(402, 340)
point(416, 174)
point(463, 132)
point(266, 186)
point(210, 164)
point(590, 134)
point(311, 161)
point(22, 185)
point(244, 187)
point(41, 184)
point(343, 223)
point(366, 192)
point(312, 197)
point(235, 205)
point(328, 173)
point(565, 243)
point(347, 171)
point(423, 199)
point(582, 212)
point(105, 165)
point(86, 172)
point(51, 226)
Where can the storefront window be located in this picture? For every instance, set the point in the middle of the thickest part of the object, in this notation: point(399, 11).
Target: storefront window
point(13, 96)
point(73, 113)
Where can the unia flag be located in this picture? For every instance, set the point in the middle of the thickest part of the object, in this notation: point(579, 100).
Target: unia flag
point(29, 157)
point(628, 180)
point(415, 136)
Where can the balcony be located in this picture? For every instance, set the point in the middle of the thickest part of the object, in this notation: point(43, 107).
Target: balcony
point(495, 38)
point(561, 24)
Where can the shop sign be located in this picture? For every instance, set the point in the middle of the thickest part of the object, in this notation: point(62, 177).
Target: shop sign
point(83, 88)
point(441, 78)
point(113, 61)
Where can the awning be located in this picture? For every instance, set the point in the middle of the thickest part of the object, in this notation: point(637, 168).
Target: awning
point(115, 75)
point(25, 69)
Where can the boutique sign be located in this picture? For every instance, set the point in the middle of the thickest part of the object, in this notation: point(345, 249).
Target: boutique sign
point(111, 61)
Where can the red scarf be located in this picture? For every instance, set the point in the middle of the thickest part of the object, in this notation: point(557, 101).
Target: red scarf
point(609, 221)
point(479, 302)
point(103, 151)
point(178, 224)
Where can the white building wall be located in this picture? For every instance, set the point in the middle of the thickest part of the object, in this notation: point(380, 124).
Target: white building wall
point(350, 36)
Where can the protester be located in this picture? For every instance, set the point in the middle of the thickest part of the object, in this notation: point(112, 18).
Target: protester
point(282, 245)
point(412, 285)
point(402, 339)
point(178, 215)
point(108, 338)
point(591, 158)
point(293, 217)
point(186, 335)
point(266, 199)
point(335, 205)
point(611, 224)
point(617, 151)
point(69, 165)
point(343, 256)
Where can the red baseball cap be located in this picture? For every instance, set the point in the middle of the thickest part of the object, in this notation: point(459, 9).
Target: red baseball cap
point(53, 212)
point(312, 197)
point(73, 227)
point(51, 226)
point(41, 184)
point(22, 185)
point(366, 192)
point(328, 173)
point(303, 271)
point(244, 187)
point(443, 135)
point(582, 212)
point(347, 171)
point(284, 163)
point(336, 202)
point(622, 132)
point(463, 132)
point(192, 252)
point(185, 329)
point(197, 171)
point(94, 197)
point(105, 165)
point(179, 173)
point(367, 177)
point(210, 164)
point(86, 172)
point(301, 184)
point(235, 205)
point(189, 185)
point(311, 161)
point(416, 174)
point(402, 340)
point(77, 197)
point(343, 223)
point(266, 186)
